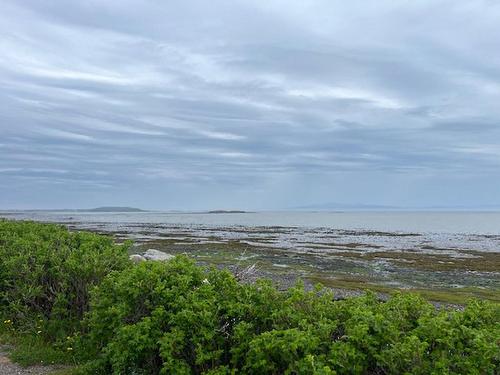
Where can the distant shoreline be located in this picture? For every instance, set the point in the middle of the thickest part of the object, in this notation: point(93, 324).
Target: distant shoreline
point(294, 210)
point(97, 209)
point(227, 212)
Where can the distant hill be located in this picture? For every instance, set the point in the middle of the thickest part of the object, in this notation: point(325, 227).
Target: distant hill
point(331, 206)
point(227, 212)
point(114, 209)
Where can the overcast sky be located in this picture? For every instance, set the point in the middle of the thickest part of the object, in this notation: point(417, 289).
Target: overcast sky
point(249, 104)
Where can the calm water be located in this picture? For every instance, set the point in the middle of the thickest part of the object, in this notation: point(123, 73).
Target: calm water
point(420, 222)
point(299, 230)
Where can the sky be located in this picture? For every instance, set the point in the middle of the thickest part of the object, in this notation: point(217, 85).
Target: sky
point(249, 104)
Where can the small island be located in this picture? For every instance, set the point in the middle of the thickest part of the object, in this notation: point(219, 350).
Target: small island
point(113, 209)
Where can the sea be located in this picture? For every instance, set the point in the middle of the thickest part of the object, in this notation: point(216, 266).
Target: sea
point(478, 231)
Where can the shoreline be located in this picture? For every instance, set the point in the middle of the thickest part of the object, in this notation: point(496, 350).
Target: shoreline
point(383, 262)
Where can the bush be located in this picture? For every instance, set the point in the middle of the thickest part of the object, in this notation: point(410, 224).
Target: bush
point(176, 318)
point(46, 273)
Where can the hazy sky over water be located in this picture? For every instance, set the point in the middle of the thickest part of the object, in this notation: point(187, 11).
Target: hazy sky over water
point(249, 104)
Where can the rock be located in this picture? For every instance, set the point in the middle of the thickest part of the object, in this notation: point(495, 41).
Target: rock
point(137, 258)
point(153, 254)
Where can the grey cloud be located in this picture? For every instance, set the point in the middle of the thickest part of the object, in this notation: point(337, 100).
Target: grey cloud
point(159, 102)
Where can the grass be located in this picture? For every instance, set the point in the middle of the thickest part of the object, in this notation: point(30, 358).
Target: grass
point(29, 350)
point(459, 296)
point(66, 371)
point(456, 296)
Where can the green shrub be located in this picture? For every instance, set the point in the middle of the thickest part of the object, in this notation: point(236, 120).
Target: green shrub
point(46, 273)
point(177, 318)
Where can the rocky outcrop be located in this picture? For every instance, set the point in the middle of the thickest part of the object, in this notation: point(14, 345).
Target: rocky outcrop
point(153, 254)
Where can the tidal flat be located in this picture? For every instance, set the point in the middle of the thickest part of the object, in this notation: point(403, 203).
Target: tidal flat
point(442, 275)
point(442, 266)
